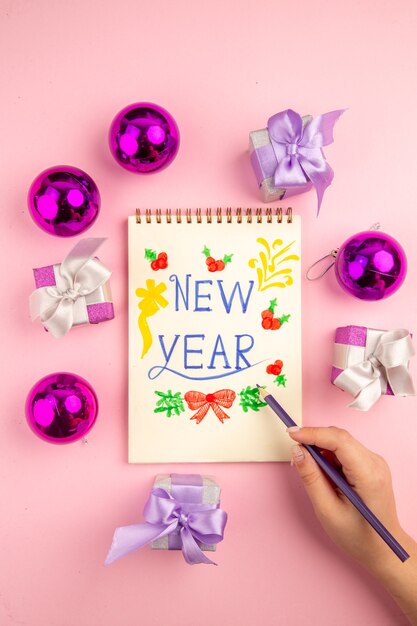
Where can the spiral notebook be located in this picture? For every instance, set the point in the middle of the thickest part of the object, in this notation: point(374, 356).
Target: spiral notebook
point(214, 310)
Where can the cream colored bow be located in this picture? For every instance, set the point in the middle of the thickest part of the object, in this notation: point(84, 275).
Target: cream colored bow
point(387, 364)
point(78, 276)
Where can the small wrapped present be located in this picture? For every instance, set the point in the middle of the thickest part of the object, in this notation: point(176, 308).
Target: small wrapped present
point(74, 292)
point(182, 513)
point(287, 156)
point(368, 363)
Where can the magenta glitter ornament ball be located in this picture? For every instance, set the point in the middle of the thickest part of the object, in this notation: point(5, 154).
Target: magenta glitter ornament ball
point(61, 408)
point(144, 138)
point(371, 265)
point(64, 201)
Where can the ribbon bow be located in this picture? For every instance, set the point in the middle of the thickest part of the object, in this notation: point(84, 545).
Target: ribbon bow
point(77, 276)
point(165, 515)
point(298, 149)
point(366, 381)
point(152, 301)
point(203, 402)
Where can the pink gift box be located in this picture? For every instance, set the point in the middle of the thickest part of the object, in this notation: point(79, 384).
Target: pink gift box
point(99, 304)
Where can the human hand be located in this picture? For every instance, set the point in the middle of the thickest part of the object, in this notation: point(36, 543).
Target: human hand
point(367, 473)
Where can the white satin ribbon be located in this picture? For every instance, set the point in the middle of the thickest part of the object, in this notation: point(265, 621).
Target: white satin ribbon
point(384, 360)
point(78, 276)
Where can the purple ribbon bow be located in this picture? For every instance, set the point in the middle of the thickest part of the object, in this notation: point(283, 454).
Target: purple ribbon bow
point(164, 515)
point(298, 150)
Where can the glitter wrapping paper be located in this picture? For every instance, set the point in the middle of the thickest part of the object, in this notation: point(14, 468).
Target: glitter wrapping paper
point(201, 489)
point(94, 308)
point(354, 344)
point(264, 164)
point(351, 336)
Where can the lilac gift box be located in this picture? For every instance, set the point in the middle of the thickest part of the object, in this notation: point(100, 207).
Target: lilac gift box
point(264, 164)
point(198, 490)
point(93, 308)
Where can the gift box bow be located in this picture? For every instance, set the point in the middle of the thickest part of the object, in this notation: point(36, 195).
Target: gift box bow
point(297, 149)
point(386, 364)
point(78, 275)
point(165, 514)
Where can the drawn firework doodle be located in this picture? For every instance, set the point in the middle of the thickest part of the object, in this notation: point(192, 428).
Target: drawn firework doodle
point(270, 264)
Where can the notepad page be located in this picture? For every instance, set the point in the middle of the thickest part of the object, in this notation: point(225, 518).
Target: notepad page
point(214, 309)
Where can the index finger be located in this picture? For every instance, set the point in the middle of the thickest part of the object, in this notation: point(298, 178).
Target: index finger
point(353, 456)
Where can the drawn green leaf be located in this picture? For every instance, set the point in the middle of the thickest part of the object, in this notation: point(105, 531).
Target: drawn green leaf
point(280, 380)
point(169, 403)
point(272, 305)
point(150, 255)
point(249, 398)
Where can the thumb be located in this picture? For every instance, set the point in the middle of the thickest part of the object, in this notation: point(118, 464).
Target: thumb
point(319, 490)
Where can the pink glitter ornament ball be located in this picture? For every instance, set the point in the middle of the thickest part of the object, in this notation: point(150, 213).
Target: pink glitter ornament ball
point(61, 408)
point(371, 265)
point(144, 138)
point(64, 201)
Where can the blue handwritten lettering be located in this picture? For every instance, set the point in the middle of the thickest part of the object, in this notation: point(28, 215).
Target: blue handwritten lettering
point(219, 350)
point(188, 351)
point(199, 295)
point(167, 355)
point(243, 301)
point(178, 290)
point(241, 351)
point(157, 370)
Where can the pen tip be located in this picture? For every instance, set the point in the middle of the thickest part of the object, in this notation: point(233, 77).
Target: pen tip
point(259, 386)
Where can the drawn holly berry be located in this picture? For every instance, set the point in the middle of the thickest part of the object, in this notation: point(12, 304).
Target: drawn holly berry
point(275, 369)
point(216, 265)
point(158, 261)
point(269, 322)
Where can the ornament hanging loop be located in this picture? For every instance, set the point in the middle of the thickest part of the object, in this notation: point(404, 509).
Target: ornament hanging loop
point(376, 226)
point(332, 255)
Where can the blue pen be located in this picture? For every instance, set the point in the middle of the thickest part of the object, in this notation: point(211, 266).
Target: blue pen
point(338, 480)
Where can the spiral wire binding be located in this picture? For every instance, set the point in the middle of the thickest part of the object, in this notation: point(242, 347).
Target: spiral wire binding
point(218, 215)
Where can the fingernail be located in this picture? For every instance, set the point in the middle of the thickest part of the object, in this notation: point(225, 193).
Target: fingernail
point(297, 454)
point(293, 429)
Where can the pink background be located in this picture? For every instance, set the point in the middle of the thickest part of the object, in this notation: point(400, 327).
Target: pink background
point(221, 70)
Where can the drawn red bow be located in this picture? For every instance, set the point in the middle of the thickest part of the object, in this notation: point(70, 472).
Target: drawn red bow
point(203, 402)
